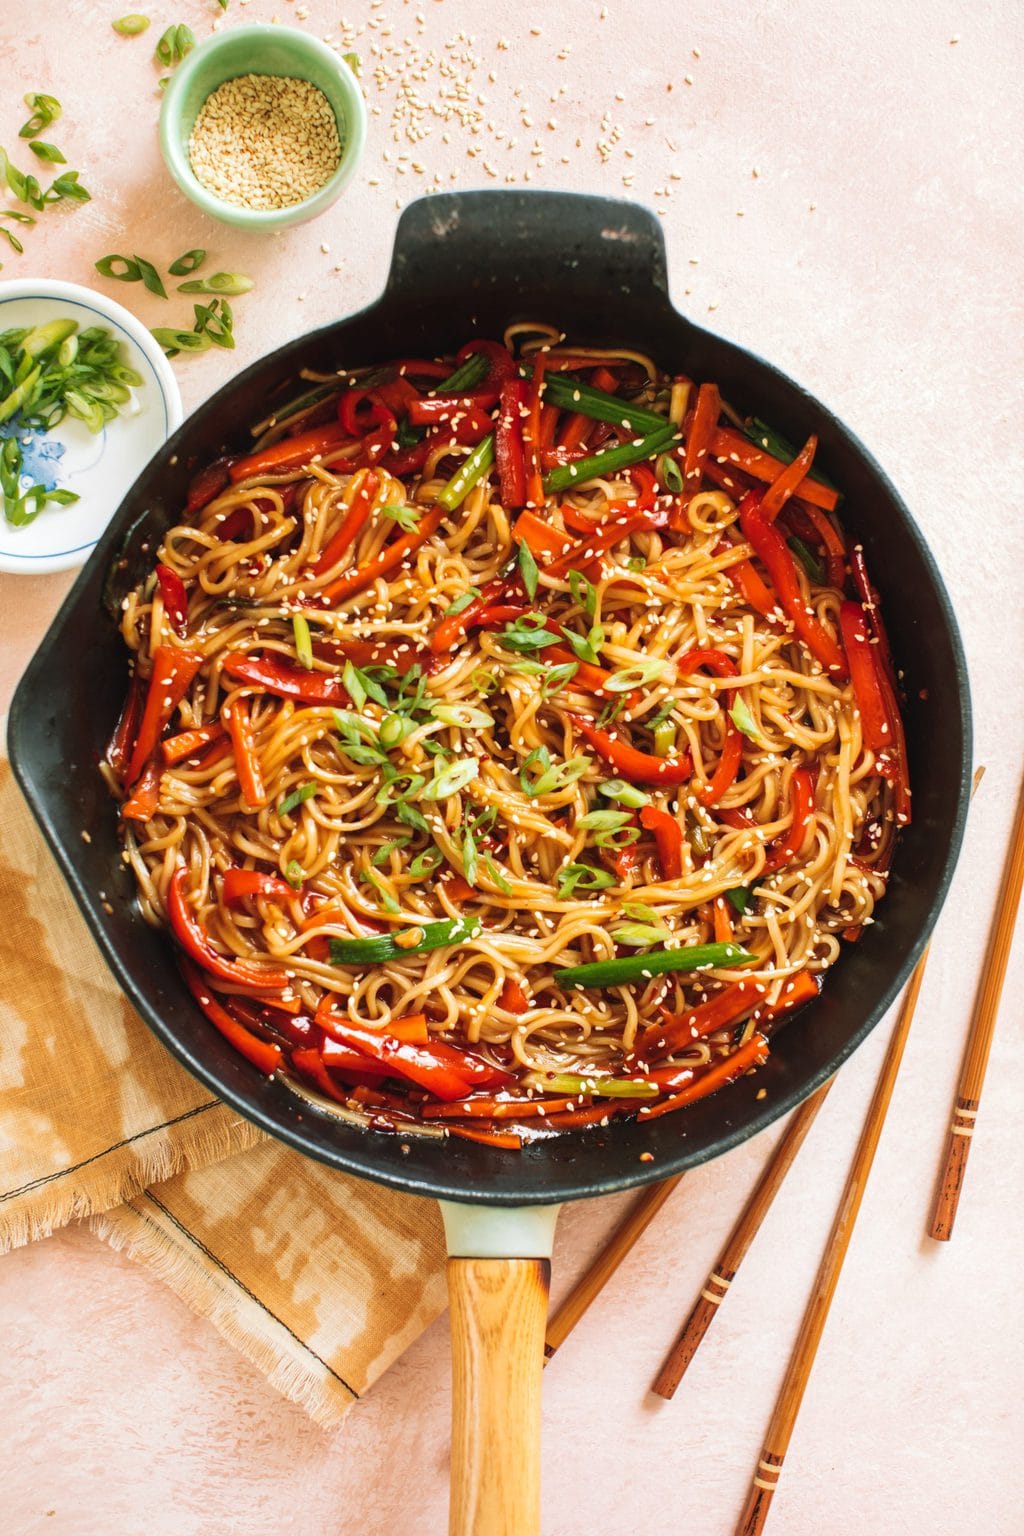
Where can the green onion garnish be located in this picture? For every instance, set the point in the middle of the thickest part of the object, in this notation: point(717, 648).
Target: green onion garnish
point(602, 1087)
point(174, 44)
point(739, 896)
point(528, 570)
point(296, 798)
point(466, 716)
point(573, 394)
point(231, 283)
point(583, 592)
point(624, 793)
point(607, 460)
point(294, 874)
point(809, 560)
point(466, 376)
point(468, 473)
point(638, 676)
point(744, 721)
point(469, 596)
point(190, 261)
point(585, 877)
point(47, 152)
point(303, 639)
point(415, 940)
point(131, 26)
point(658, 962)
point(552, 776)
point(124, 268)
point(45, 110)
point(669, 474)
point(407, 518)
point(452, 778)
point(641, 935)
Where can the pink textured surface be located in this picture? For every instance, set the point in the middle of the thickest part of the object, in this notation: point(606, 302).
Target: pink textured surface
point(877, 260)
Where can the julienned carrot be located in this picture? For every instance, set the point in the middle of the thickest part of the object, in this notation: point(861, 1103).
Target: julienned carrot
point(540, 538)
point(679, 1030)
point(291, 453)
point(505, 1139)
point(785, 484)
point(753, 1054)
point(731, 447)
point(235, 716)
point(173, 671)
point(724, 933)
point(357, 515)
point(188, 743)
point(382, 564)
point(142, 802)
point(801, 799)
point(698, 439)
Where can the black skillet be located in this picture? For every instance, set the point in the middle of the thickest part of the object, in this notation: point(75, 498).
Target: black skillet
point(464, 265)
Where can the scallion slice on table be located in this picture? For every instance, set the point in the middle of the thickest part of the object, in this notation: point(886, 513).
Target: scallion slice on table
point(654, 962)
point(130, 26)
point(609, 460)
point(189, 261)
point(415, 940)
point(48, 152)
point(231, 283)
point(44, 109)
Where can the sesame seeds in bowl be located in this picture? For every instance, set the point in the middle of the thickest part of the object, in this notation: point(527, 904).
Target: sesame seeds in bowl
point(262, 126)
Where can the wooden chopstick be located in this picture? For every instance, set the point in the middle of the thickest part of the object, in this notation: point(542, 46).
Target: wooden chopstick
point(783, 1420)
point(641, 1214)
point(979, 1038)
point(716, 1285)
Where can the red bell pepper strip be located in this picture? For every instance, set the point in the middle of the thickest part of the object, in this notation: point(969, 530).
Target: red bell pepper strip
point(633, 765)
point(291, 453)
point(531, 436)
point(668, 838)
point(749, 585)
point(454, 626)
point(679, 1030)
point(753, 1054)
point(508, 444)
point(175, 599)
point(142, 802)
point(732, 448)
point(241, 884)
point(785, 483)
point(513, 999)
point(698, 439)
point(299, 1029)
point(871, 604)
point(195, 941)
point(835, 555)
point(864, 675)
point(898, 750)
point(353, 521)
point(421, 368)
point(408, 461)
point(235, 717)
point(378, 443)
point(588, 677)
point(441, 1069)
point(285, 680)
point(469, 427)
point(400, 653)
point(382, 564)
point(263, 1054)
point(241, 520)
point(399, 396)
point(188, 743)
point(341, 1058)
point(207, 484)
point(309, 1064)
point(122, 743)
point(458, 889)
point(731, 755)
point(801, 798)
point(772, 549)
point(432, 409)
point(173, 671)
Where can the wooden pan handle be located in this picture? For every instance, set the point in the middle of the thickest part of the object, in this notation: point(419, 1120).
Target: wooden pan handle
point(498, 1314)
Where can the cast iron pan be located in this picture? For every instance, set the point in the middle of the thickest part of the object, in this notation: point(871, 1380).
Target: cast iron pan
point(464, 265)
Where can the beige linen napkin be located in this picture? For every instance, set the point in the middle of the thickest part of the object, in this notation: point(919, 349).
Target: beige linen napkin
point(319, 1279)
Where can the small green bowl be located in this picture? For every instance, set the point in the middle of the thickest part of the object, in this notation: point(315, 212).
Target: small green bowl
point(260, 50)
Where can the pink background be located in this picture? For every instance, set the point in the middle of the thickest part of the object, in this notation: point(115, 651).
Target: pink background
point(878, 261)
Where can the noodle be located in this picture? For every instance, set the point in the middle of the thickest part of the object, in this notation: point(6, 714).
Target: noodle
point(452, 737)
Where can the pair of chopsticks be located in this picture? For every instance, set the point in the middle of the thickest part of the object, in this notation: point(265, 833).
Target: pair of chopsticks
point(812, 1326)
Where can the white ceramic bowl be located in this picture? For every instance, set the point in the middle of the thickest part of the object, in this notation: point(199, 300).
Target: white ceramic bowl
point(100, 467)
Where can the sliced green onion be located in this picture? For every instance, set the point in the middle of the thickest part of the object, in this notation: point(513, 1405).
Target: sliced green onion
point(392, 793)
point(745, 722)
point(664, 737)
point(466, 376)
point(607, 460)
point(583, 592)
point(296, 798)
point(353, 60)
point(452, 779)
point(624, 792)
point(483, 681)
point(394, 729)
point(387, 901)
point(637, 910)
point(464, 715)
point(739, 896)
point(27, 507)
point(181, 266)
point(131, 26)
point(44, 338)
point(353, 686)
point(527, 633)
point(603, 821)
point(766, 437)
point(124, 268)
point(557, 677)
point(553, 776)
point(174, 44)
point(658, 962)
point(47, 152)
point(416, 941)
point(572, 394)
point(602, 1087)
point(303, 640)
point(636, 564)
point(294, 873)
point(469, 596)
point(528, 569)
point(697, 835)
point(66, 188)
point(586, 647)
point(641, 935)
point(407, 518)
point(669, 474)
point(385, 850)
point(179, 341)
point(232, 283)
point(809, 560)
point(496, 875)
point(638, 676)
point(470, 856)
point(45, 110)
point(585, 877)
point(468, 473)
point(425, 863)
